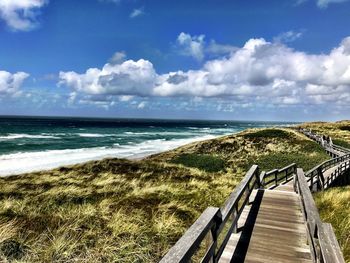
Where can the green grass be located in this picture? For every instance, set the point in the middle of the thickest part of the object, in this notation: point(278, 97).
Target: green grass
point(132, 211)
point(207, 163)
point(334, 208)
point(305, 153)
point(342, 143)
point(280, 160)
point(268, 133)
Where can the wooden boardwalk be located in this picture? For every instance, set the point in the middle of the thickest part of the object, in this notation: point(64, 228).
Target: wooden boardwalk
point(274, 231)
point(269, 217)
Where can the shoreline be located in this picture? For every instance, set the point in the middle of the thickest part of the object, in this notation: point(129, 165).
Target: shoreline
point(52, 166)
point(43, 161)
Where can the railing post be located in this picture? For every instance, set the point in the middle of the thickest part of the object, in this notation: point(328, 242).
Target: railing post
point(262, 179)
point(320, 178)
point(286, 175)
point(276, 179)
point(257, 177)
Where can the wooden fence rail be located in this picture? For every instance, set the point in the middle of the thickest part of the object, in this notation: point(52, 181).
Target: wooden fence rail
point(275, 177)
point(315, 176)
point(323, 243)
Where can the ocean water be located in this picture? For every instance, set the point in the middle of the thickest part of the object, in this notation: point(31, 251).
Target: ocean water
point(31, 144)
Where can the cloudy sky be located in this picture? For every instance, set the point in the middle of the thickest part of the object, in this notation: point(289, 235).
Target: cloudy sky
point(210, 59)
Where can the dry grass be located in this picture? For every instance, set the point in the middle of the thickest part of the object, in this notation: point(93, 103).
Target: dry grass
point(129, 211)
point(334, 207)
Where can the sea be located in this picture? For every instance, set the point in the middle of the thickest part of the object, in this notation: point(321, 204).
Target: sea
point(29, 144)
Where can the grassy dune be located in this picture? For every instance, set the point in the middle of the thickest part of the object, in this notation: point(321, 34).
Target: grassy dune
point(133, 211)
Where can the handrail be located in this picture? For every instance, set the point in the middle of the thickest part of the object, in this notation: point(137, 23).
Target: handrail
point(277, 176)
point(187, 245)
point(234, 205)
point(323, 243)
point(212, 221)
point(315, 176)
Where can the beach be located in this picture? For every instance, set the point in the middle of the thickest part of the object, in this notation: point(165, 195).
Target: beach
point(37, 144)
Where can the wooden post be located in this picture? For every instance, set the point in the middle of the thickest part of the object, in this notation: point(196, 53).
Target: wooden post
point(276, 179)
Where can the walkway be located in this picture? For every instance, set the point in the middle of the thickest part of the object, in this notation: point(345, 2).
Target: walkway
point(274, 231)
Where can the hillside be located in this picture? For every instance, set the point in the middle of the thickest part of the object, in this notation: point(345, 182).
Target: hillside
point(133, 211)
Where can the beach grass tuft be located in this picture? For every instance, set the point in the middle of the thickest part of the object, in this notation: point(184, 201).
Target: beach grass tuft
point(205, 162)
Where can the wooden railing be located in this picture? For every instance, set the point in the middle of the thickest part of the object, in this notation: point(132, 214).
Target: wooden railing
point(341, 159)
point(219, 224)
point(315, 175)
point(332, 149)
point(341, 148)
point(275, 177)
point(323, 243)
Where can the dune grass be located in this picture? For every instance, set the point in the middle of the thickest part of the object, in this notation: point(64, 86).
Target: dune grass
point(132, 211)
point(334, 208)
point(205, 162)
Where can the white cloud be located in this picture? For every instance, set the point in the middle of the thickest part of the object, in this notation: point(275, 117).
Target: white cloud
point(125, 98)
point(191, 45)
point(20, 14)
point(142, 105)
point(128, 78)
point(137, 12)
point(118, 57)
point(288, 36)
point(260, 71)
point(198, 48)
point(10, 83)
point(219, 49)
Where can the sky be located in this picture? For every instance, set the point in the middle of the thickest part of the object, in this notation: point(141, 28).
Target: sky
point(282, 60)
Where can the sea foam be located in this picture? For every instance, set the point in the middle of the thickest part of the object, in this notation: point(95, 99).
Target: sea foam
point(25, 162)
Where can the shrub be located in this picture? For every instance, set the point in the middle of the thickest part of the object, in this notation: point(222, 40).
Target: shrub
point(268, 133)
point(345, 128)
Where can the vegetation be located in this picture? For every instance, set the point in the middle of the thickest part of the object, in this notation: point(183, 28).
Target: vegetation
point(342, 143)
point(207, 163)
point(306, 156)
point(334, 208)
point(339, 131)
point(132, 211)
point(268, 133)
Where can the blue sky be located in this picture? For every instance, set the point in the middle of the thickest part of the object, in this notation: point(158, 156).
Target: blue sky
point(208, 59)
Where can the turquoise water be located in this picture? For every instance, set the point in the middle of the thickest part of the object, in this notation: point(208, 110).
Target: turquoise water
point(32, 144)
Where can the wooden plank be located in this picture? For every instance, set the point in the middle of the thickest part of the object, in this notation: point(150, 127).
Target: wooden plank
point(331, 248)
point(279, 224)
